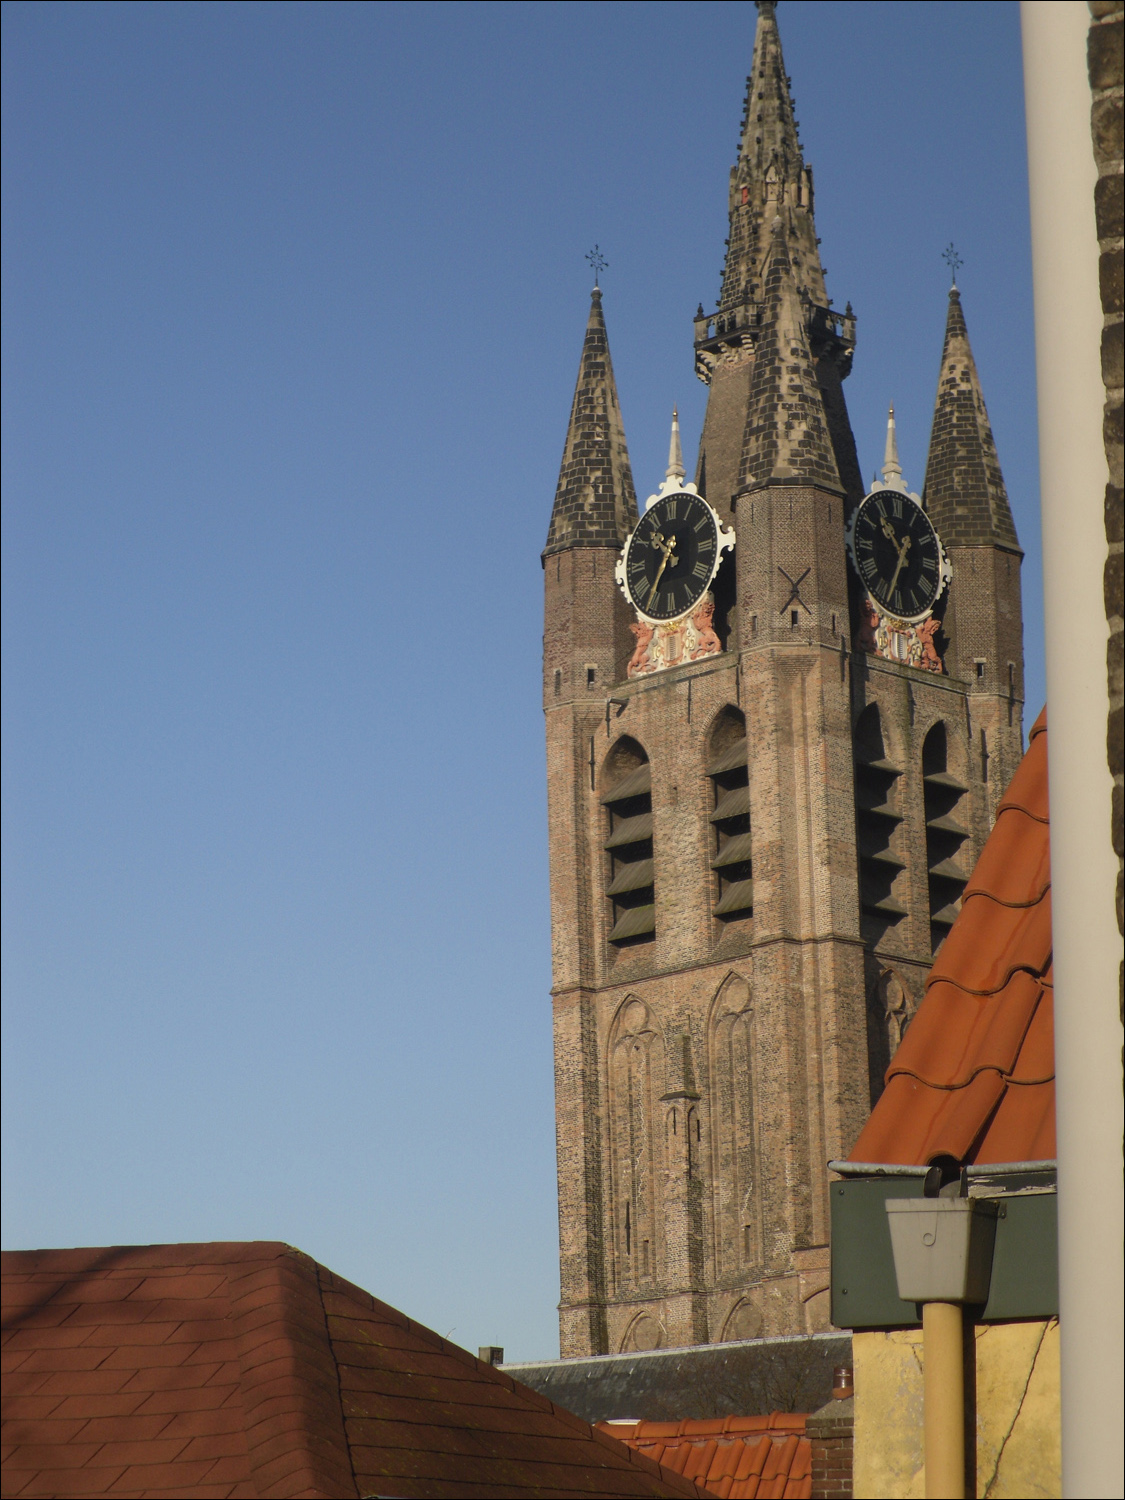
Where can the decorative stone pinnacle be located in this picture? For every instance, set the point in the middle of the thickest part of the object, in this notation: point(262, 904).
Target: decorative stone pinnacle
point(675, 469)
point(892, 469)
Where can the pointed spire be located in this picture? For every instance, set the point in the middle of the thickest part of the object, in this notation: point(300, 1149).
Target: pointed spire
point(786, 435)
point(595, 503)
point(892, 469)
point(675, 469)
point(769, 178)
point(964, 491)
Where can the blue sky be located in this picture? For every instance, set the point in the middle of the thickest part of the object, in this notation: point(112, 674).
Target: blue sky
point(294, 296)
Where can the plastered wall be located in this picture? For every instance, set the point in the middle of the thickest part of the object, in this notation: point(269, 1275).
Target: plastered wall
point(1012, 1390)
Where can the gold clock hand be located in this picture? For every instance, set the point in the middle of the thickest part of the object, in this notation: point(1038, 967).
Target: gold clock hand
point(904, 548)
point(667, 547)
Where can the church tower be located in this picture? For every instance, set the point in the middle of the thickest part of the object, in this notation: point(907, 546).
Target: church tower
point(779, 718)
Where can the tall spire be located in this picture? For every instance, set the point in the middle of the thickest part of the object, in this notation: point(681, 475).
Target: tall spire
point(786, 435)
point(964, 491)
point(675, 469)
point(892, 469)
point(771, 197)
point(595, 503)
point(769, 178)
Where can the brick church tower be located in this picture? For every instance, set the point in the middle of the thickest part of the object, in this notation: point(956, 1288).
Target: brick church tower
point(761, 814)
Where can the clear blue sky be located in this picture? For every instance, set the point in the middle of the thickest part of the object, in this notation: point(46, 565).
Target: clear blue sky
point(294, 301)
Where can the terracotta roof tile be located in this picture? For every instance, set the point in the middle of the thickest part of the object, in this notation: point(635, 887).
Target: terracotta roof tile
point(739, 1457)
point(249, 1370)
point(973, 1078)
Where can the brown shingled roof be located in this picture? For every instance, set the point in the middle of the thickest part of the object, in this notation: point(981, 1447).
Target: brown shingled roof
point(737, 1458)
point(250, 1370)
point(974, 1077)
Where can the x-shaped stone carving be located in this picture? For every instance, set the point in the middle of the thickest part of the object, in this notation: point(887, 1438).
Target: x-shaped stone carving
point(794, 591)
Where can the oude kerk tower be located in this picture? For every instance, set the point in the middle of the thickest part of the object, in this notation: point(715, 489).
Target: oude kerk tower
point(781, 711)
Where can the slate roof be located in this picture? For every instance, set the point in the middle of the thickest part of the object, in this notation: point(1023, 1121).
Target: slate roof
point(974, 1076)
point(745, 1458)
point(769, 152)
point(964, 491)
point(744, 1376)
point(786, 435)
point(250, 1370)
point(595, 502)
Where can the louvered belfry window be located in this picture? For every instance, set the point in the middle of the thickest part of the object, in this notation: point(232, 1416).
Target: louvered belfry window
point(631, 888)
point(946, 834)
point(878, 816)
point(730, 820)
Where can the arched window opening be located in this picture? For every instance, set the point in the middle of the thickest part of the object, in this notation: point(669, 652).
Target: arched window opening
point(730, 818)
point(878, 819)
point(946, 835)
point(631, 883)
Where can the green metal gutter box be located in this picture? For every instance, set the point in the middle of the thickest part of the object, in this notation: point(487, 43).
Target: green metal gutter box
point(1025, 1279)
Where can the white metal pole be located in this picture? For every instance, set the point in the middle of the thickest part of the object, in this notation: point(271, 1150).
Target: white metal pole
point(1087, 949)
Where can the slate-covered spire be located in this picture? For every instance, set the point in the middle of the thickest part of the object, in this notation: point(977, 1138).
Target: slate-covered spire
point(786, 435)
point(769, 178)
point(595, 503)
point(964, 491)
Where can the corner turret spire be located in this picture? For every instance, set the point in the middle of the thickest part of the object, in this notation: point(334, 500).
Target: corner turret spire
point(964, 491)
point(595, 502)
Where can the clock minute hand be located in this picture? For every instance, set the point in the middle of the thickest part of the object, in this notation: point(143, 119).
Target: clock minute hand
point(667, 547)
point(903, 549)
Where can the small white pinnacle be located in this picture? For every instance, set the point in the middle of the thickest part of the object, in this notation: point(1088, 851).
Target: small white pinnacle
point(675, 469)
point(892, 469)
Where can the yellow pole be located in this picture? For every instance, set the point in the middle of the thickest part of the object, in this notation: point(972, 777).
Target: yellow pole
point(944, 1392)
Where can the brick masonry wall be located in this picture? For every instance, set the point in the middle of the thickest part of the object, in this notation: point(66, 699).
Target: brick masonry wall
point(1105, 58)
point(831, 1433)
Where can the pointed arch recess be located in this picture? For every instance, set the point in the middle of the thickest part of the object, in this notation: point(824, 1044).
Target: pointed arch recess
point(630, 881)
point(730, 843)
point(948, 849)
point(879, 817)
point(635, 1083)
point(736, 1206)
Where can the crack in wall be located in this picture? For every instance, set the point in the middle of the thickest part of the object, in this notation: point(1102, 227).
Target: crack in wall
point(988, 1489)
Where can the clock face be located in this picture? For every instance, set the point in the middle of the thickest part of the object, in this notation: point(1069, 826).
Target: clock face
point(897, 554)
point(672, 556)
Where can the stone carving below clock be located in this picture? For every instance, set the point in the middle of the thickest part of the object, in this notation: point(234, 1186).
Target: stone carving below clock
point(897, 640)
point(668, 645)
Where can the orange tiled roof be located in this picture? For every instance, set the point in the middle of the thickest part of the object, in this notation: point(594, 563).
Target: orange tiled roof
point(249, 1370)
point(743, 1458)
point(974, 1077)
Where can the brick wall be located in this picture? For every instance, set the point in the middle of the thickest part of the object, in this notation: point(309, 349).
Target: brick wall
point(830, 1431)
point(1104, 57)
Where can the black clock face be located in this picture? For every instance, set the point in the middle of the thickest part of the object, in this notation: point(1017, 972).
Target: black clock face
point(898, 554)
point(671, 556)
